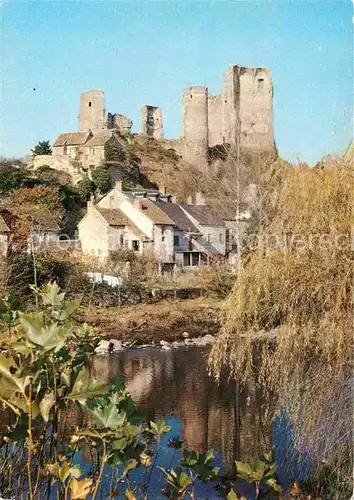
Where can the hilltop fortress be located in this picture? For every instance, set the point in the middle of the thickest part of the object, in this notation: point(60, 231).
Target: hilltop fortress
point(241, 115)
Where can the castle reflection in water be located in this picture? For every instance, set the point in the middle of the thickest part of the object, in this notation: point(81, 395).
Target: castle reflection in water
point(175, 383)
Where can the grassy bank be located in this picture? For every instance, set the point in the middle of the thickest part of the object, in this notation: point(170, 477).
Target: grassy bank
point(146, 323)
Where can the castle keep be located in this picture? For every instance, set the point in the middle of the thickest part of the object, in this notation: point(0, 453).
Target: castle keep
point(241, 115)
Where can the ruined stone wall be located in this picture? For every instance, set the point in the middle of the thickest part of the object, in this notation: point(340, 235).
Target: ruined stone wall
point(92, 111)
point(215, 133)
point(58, 162)
point(247, 99)
point(229, 94)
point(256, 109)
point(120, 122)
point(243, 112)
point(195, 125)
point(152, 122)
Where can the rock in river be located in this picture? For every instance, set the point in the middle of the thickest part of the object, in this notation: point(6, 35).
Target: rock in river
point(108, 346)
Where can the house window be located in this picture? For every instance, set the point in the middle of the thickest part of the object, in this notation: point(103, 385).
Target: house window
point(186, 260)
point(209, 237)
point(135, 245)
point(176, 240)
point(121, 240)
point(260, 83)
point(195, 259)
point(90, 104)
point(221, 238)
point(92, 151)
point(163, 234)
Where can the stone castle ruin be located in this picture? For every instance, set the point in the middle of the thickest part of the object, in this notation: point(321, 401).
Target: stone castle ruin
point(241, 115)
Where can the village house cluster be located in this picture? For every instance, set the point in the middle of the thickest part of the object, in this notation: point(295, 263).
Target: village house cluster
point(188, 235)
point(148, 221)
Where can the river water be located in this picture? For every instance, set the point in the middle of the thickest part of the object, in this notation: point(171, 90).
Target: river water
point(235, 422)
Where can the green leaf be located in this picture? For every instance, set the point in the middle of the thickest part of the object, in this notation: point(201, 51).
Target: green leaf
point(109, 417)
point(46, 405)
point(31, 322)
point(274, 485)
point(120, 444)
point(62, 472)
point(75, 472)
point(159, 428)
point(243, 470)
point(232, 496)
point(70, 308)
point(85, 388)
point(80, 489)
point(178, 479)
point(268, 456)
point(131, 465)
point(258, 468)
point(50, 294)
point(47, 336)
point(9, 382)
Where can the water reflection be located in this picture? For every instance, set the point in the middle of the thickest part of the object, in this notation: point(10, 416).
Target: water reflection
point(176, 384)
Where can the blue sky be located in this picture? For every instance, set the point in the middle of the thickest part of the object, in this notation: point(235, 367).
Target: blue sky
point(146, 52)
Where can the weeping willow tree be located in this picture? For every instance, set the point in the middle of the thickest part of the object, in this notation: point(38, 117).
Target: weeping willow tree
point(298, 281)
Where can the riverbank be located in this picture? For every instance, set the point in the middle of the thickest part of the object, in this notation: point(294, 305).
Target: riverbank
point(153, 323)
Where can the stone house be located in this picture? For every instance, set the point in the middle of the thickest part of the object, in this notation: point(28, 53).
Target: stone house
point(44, 231)
point(4, 238)
point(199, 234)
point(30, 229)
point(79, 153)
point(101, 230)
point(142, 227)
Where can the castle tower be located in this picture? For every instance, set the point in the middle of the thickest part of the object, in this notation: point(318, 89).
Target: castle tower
point(195, 125)
point(247, 108)
point(152, 122)
point(92, 111)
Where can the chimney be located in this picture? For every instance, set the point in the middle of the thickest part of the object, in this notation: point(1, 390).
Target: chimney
point(137, 203)
point(199, 198)
point(119, 186)
point(191, 200)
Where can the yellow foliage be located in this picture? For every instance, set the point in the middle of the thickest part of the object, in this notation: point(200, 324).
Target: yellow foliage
point(298, 280)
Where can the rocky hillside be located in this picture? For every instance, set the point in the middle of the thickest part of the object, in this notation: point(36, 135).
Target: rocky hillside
point(164, 168)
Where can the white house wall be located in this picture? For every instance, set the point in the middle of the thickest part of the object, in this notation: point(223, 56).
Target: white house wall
point(164, 249)
point(94, 234)
point(114, 237)
point(214, 231)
